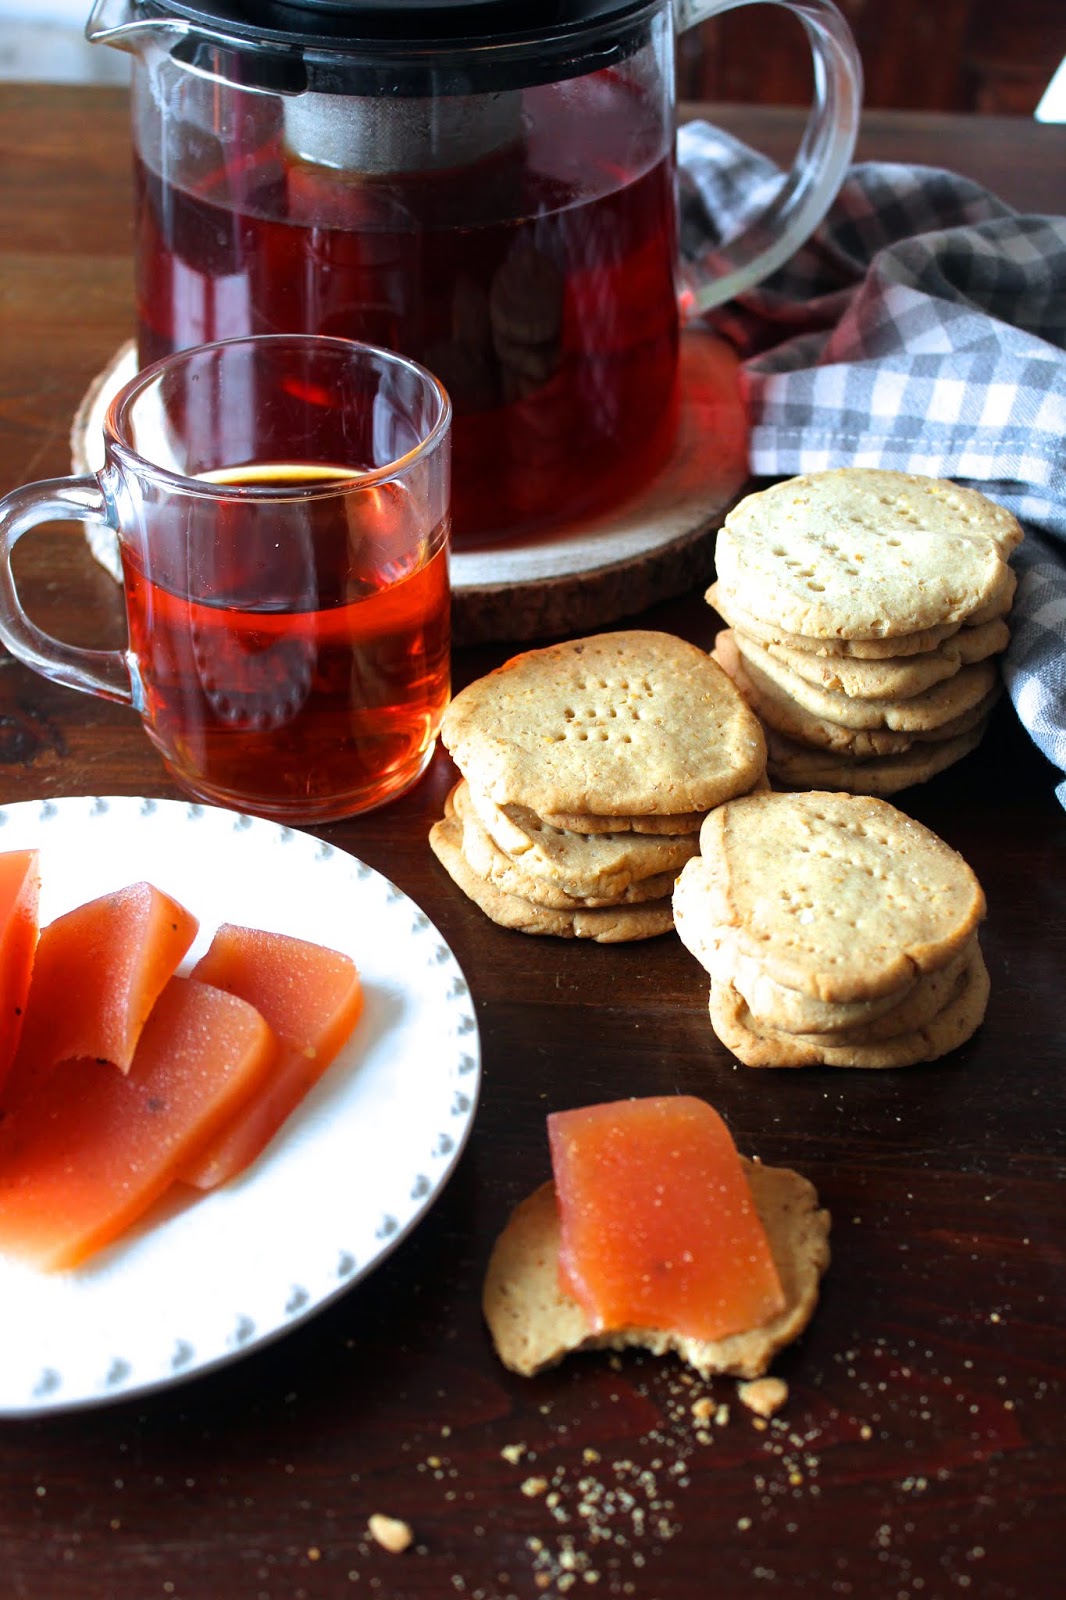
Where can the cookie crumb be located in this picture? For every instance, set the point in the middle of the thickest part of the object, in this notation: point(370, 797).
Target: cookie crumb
point(390, 1533)
point(513, 1453)
point(703, 1409)
point(764, 1396)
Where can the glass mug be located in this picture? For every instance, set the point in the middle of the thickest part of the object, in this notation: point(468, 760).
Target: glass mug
point(489, 187)
point(282, 512)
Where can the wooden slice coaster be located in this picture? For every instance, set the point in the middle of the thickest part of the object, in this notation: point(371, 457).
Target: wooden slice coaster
point(657, 544)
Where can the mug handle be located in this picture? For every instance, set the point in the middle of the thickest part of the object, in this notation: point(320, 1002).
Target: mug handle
point(818, 170)
point(101, 672)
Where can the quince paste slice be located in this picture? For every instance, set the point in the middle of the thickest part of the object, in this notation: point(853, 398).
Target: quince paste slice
point(657, 1224)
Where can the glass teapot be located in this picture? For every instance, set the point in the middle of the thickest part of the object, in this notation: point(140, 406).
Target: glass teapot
point(488, 187)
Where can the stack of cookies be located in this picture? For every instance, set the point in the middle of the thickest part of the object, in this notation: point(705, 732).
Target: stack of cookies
point(587, 768)
point(835, 930)
point(866, 612)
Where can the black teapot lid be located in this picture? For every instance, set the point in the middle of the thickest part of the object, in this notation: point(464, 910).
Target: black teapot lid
point(403, 47)
point(338, 23)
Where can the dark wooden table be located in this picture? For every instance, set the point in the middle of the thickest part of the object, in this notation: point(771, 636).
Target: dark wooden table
point(920, 1454)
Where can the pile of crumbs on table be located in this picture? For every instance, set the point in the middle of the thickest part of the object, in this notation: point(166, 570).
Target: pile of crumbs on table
point(613, 1513)
point(597, 1517)
point(610, 1513)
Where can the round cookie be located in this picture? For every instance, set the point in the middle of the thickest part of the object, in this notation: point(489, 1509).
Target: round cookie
point(781, 1010)
point(499, 869)
point(710, 944)
point(628, 724)
point(798, 766)
point(921, 712)
point(579, 863)
point(919, 643)
point(895, 677)
point(755, 1046)
point(787, 716)
point(864, 553)
point(605, 925)
point(838, 896)
point(670, 827)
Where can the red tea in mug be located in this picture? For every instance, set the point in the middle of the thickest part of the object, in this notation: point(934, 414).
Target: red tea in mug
point(301, 669)
point(281, 506)
point(537, 283)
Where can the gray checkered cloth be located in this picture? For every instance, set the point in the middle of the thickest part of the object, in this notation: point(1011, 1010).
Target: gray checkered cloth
point(922, 328)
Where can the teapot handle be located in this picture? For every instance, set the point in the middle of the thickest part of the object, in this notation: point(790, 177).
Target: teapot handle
point(817, 172)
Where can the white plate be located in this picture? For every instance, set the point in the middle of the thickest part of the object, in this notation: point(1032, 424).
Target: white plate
point(205, 1280)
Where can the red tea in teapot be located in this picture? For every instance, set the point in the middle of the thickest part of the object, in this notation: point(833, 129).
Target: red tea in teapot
point(537, 282)
point(294, 669)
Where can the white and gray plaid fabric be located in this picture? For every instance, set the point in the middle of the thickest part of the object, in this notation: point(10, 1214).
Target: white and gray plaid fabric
point(922, 328)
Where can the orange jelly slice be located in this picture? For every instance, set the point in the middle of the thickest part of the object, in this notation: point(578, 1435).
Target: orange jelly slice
point(87, 1154)
point(658, 1228)
point(311, 997)
point(97, 973)
point(20, 883)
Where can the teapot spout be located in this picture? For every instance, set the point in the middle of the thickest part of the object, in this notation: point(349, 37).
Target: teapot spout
point(117, 23)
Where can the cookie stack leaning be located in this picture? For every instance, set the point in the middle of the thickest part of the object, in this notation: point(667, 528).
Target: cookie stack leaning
point(866, 612)
point(587, 768)
point(835, 930)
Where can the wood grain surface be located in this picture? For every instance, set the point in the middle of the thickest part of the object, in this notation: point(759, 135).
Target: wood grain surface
point(920, 1454)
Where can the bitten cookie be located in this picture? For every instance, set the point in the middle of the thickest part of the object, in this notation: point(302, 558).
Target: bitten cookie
point(534, 1324)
